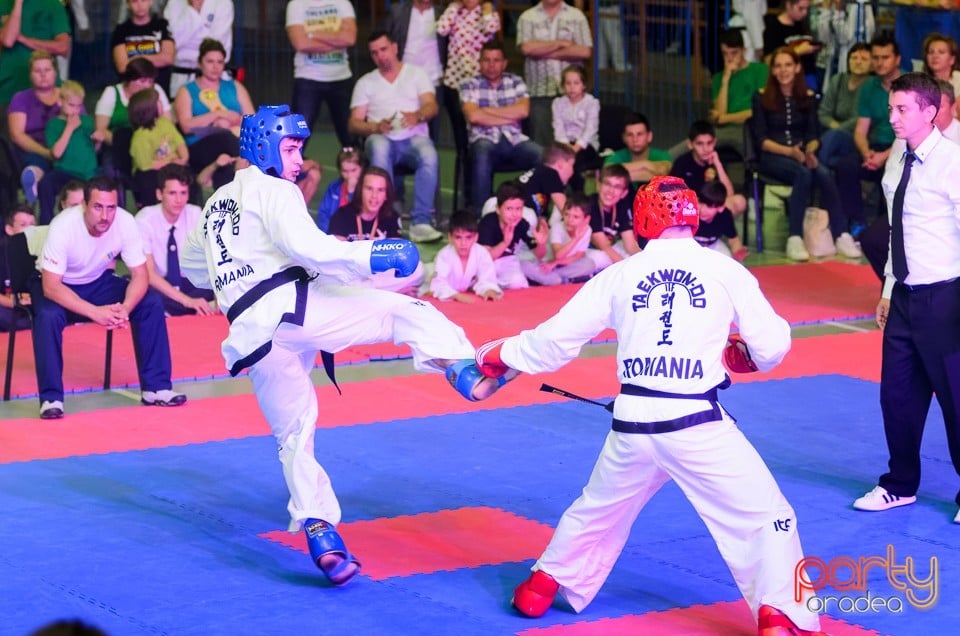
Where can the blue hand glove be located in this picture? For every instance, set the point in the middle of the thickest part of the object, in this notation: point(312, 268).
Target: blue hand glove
point(398, 254)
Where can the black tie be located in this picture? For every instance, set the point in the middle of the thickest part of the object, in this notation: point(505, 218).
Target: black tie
point(173, 260)
point(898, 254)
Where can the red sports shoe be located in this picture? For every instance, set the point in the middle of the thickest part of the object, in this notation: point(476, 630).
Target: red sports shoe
point(773, 622)
point(534, 596)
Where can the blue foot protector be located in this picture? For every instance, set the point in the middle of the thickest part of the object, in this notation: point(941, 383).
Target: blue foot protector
point(464, 376)
point(329, 552)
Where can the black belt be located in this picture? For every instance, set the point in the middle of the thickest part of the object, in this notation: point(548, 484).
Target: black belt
point(261, 289)
point(924, 286)
point(712, 414)
point(183, 70)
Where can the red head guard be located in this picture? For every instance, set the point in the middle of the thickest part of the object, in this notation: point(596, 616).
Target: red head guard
point(662, 203)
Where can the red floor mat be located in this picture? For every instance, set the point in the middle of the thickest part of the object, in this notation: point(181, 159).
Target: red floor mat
point(803, 293)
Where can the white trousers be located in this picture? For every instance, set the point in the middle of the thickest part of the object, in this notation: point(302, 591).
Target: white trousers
point(729, 485)
point(337, 318)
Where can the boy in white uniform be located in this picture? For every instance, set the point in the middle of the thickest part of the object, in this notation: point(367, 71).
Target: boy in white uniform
point(464, 265)
point(275, 276)
point(671, 306)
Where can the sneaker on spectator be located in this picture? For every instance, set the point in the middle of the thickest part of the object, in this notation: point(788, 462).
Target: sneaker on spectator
point(28, 180)
point(796, 250)
point(879, 499)
point(847, 247)
point(424, 233)
point(956, 518)
point(51, 410)
point(166, 397)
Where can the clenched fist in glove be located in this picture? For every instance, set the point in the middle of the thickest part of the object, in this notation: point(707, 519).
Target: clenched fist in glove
point(398, 254)
point(736, 356)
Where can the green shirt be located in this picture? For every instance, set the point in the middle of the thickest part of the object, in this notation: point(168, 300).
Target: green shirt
point(80, 157)
point(743, 84)
point(43, 20)
point(623, 156)
point(874, 103)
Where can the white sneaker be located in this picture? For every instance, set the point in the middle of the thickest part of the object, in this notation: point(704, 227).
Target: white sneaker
point(52, 410)
point(796, 250)
point(424, 233)
point(166, 397)
point(879, 499)
point(846, 246)
point(956, 518)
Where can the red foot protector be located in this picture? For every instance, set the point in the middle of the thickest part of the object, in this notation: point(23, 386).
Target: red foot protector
point(773, 622)
point(729, 618)
point(534, 596)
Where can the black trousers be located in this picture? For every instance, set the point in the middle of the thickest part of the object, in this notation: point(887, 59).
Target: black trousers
point(921, 357)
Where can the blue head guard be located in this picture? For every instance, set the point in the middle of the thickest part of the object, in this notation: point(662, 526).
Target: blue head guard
point(262, 132)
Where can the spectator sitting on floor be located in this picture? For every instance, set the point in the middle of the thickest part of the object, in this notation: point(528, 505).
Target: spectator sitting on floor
point(506, 234)
point(702, 165)
point(370, 216)
point(339, 193)
point(164, 227)
point(76, 282)
point(544, 187)
point(74, 153)
point(611, 218)
point(391, 106)
point(576, 121)
point(14, 222)
point(156, 143)
point(27, 117)
point(569, 243)
point(495, 103)
point(642, 161)
point(463, 265)
point(716, 222)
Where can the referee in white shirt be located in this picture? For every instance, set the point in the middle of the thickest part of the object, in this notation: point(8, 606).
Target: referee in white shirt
point(919, 309)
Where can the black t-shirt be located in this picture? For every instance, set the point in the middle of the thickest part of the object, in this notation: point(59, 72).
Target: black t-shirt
point(491, 234)
point(344, 223)
point(539, 184)
point(693, 174)
point(777, 34)
point(721, 225)
point(611, 223)
point(144, 40)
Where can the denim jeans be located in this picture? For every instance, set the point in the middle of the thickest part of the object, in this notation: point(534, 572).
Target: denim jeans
point(801, 179)
point(418, 153)
point(308, 95)
point(502, 156)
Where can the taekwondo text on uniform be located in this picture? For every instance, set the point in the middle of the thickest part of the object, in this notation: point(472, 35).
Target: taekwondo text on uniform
point(670, 278)
point(846, 573)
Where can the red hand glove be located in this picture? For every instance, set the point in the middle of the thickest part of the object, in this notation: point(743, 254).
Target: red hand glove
point(736, 356)
point(488, 359)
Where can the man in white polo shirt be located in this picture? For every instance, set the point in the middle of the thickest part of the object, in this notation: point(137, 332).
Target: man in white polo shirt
point(390, 107)
point(321, 32)
point(77, 282)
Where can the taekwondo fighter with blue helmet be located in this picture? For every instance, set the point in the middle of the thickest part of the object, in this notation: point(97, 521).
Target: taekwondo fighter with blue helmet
point(275, 276)
point(671, 306)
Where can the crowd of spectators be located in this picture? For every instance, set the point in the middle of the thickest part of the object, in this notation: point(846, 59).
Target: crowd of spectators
point(814, 99)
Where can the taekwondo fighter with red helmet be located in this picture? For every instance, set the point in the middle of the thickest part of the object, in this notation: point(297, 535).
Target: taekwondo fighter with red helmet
point(276, 276)
point(671, 306)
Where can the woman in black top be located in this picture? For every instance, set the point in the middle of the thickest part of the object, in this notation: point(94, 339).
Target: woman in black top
point(786, 130)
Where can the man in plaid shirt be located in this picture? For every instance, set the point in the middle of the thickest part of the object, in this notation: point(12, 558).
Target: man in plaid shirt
point(494, 104)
